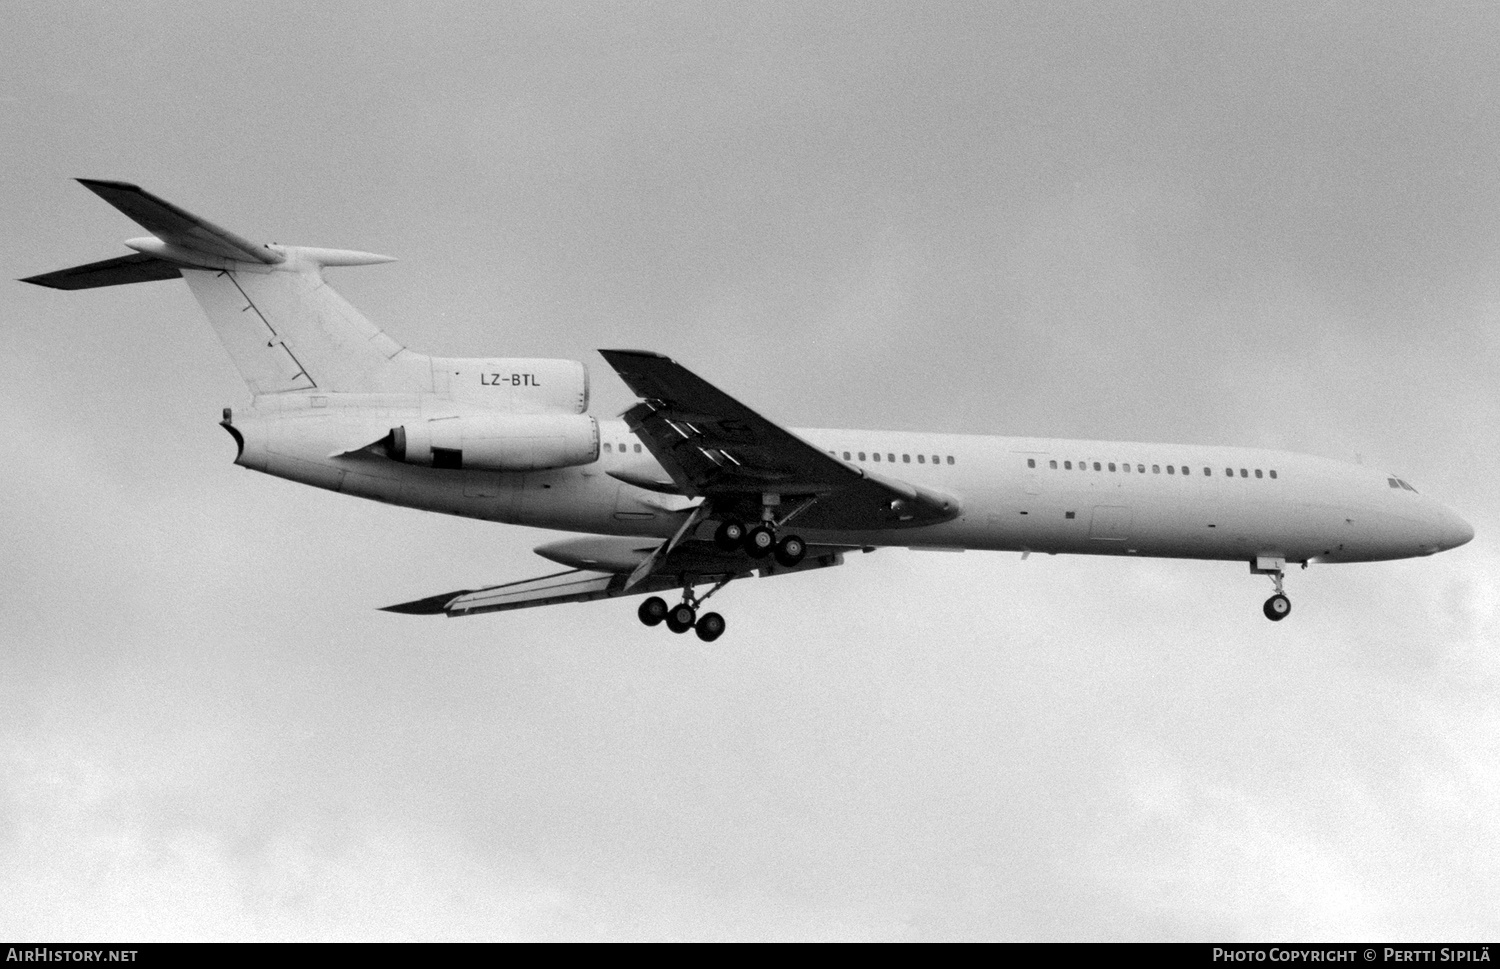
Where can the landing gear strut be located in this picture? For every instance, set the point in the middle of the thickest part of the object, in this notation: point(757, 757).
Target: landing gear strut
point(1278, 607)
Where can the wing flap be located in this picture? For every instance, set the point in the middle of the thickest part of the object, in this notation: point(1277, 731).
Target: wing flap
point(576, 586)
point(691, 562)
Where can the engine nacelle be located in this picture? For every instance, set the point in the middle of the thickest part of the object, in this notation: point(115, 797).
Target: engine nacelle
point(497, 442)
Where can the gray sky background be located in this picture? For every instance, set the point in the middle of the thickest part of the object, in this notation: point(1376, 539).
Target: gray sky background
point(1253, 223)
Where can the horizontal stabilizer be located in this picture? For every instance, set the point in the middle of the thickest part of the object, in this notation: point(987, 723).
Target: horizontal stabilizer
point(135, 268)
point(178, 228)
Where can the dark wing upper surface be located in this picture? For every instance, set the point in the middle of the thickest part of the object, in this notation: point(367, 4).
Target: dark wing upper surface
point(716, 447)
point(134, 268)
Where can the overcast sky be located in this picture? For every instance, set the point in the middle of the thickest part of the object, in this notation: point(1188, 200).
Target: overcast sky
point(1268, 224)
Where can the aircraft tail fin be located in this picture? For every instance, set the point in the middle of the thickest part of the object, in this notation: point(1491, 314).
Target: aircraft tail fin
point(285, 329)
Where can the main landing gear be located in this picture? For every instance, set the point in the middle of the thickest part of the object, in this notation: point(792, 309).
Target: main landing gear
point(1278, 607)
point(760, 541)
point(684, 616)
point(732, 535)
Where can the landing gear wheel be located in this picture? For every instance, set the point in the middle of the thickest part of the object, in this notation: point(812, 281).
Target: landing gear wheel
point(652, 611)
point(681, 618)
point(730, 536)
point(789, 550)
point(1277, 607)
point(759, 542)
point(710, 626)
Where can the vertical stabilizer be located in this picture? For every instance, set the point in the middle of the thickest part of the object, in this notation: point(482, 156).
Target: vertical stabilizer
point(284, 327)
point(287, 330)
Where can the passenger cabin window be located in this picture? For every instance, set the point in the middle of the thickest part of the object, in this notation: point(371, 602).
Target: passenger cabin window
point(1052, 465)
point(1156, 469)
point(877, 455)
point(608, 451)
point(1140, 469)
point(1031, 462)
point(1244, 473)
point(1111, 465)
point(1257, 473)
point(906, 459)
point(1185, 469)
point(1273, 473)
point(1096, 466)
point(1171, 469)
point(1067, 465)
point(861, 455)
point(846, 455)
point(921, 459)
point(1208, 472)
point(950, 459)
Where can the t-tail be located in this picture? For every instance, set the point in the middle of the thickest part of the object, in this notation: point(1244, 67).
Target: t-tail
point(286, 329)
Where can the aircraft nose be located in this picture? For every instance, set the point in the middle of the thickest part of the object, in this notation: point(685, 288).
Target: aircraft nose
point(1452, 530)
point(1460, 532)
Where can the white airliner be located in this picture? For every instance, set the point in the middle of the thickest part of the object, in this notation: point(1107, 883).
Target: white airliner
point(692, 488)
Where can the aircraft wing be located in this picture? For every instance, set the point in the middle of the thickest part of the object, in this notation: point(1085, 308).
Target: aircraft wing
point(715, 447)
point(611, 563)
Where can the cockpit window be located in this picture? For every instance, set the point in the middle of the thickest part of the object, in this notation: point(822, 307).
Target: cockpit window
point(1407, 486)
point(1393, 482)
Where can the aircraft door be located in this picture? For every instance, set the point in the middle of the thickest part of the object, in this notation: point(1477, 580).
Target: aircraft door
point(1031, 481)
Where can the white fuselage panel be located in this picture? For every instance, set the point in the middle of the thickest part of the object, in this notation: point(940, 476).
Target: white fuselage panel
point(1018, 494)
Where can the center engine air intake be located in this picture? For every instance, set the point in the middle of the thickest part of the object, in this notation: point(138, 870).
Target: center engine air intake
point(497, 442)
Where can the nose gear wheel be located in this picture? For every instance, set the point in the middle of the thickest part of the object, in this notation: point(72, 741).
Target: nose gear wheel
point(1278, 607)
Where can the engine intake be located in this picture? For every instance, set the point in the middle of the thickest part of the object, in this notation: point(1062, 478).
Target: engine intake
point(497, 442)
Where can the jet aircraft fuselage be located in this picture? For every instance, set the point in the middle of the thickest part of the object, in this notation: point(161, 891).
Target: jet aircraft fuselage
point(691, 486)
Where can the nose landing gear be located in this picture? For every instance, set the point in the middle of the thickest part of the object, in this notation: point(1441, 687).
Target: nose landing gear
point(1278, 607)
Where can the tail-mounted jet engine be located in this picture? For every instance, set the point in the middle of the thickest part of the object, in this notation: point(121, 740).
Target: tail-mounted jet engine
point(497, 442)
